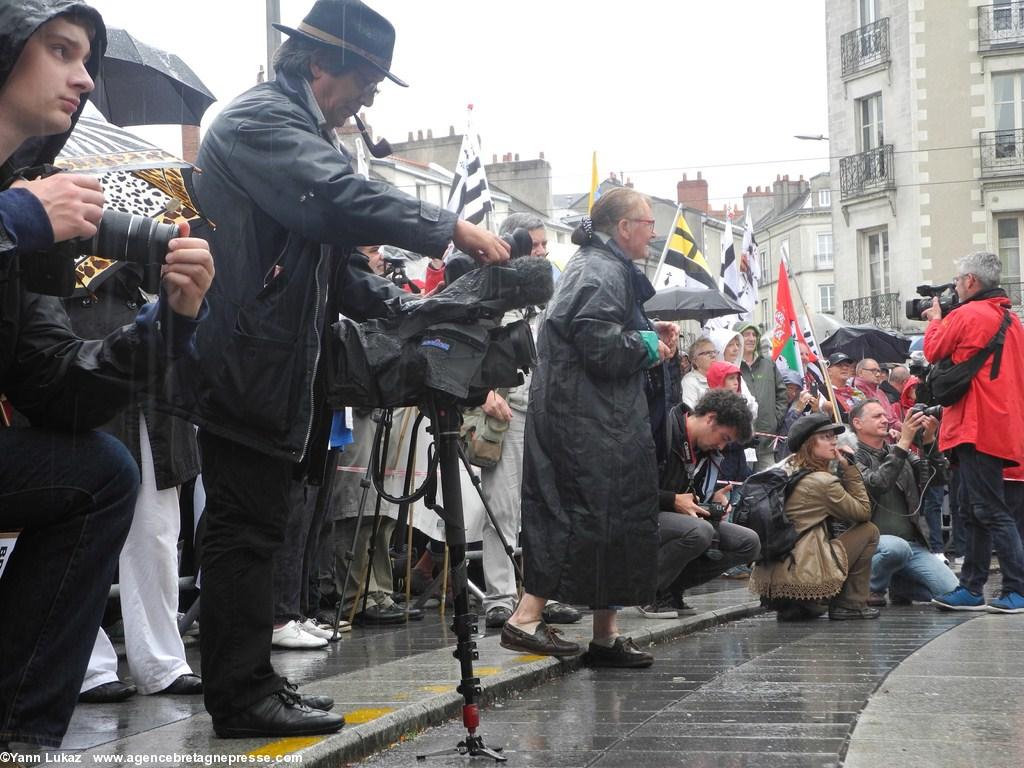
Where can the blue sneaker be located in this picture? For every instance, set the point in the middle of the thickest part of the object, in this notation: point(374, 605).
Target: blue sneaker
point(1011, 602)
point(960, 599)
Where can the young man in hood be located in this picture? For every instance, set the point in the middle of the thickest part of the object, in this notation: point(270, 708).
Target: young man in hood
point(764, 380)
point(69, 492)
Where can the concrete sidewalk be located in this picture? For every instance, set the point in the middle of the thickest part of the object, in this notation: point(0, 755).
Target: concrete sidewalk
point(390, 695)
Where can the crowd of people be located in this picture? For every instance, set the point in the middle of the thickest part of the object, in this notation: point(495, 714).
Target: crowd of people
point(623, 456)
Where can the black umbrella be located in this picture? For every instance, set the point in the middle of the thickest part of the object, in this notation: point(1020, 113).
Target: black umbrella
point(860, 341)
point(680, 303)
point(143, 85)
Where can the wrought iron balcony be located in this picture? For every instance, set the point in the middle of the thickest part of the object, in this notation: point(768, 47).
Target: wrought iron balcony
point(1002, 152)
point(865, 47)
point(882, 309)
point(866, 172)
point(1001, 26)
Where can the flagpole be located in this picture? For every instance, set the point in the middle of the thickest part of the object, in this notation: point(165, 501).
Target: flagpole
point(810, 328)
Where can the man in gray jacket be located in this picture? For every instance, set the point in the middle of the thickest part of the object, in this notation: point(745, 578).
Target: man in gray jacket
point(895, 477)
point(765, 382)
point(288, 210)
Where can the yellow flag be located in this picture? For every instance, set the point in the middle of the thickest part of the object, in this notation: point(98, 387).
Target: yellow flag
point(593, 183)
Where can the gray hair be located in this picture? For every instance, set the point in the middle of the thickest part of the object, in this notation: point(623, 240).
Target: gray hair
point(691, 352)
point(985, 266)
point(296, 54)
point(528, 221)
point(614, 206)
point(860, 364)
point(898, 375)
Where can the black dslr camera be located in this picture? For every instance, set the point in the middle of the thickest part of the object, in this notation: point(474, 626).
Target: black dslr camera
point(916, 307)
point(716, 513)
point(394, 270)
point(120, 237)
point(934, 411)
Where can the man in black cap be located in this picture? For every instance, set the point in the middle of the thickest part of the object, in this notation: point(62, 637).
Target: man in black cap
point(288, 210)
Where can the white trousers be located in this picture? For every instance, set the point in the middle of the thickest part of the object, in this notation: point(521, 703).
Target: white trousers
point(148, 577)
point(501, 487)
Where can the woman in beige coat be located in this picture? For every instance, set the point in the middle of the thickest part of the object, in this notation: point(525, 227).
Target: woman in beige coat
point(824, 573)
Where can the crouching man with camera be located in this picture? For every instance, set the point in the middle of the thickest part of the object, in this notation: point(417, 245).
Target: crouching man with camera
point(67, 492)
point(695, 543)
point(984, 429)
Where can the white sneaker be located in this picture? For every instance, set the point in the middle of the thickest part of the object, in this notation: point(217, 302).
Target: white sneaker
point(941, 558)
point(291, 636)
point(310, 627)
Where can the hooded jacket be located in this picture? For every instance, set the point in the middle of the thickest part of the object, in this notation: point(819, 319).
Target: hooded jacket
point(590, 474)
point(51, 376)
point(287, 208)
point(764, 380)
point(991, 415)
point(721, 337)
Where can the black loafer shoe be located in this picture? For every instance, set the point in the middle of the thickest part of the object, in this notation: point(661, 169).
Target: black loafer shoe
point(282, 713)
point(108, 693)
point(379, 615)
point(845, 614)
point(311, 700)
point(186, 685)
point(544, 641)
point(496, 617)
point(623, 653)
point(560, 613)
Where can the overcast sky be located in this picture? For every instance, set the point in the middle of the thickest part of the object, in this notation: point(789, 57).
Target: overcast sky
point(657, 88)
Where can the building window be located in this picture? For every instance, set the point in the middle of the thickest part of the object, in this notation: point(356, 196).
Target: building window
point(824, 198)
point(762, 260)
point(823, 253)
point(827, 299)
point(870, 122)
point(1008, 229)
point(767, 322)
point(868, 11)
point(1008, 107)
point(421, 191)
point(876, 247)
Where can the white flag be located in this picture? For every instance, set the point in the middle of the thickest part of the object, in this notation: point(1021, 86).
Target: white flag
point(470, 197)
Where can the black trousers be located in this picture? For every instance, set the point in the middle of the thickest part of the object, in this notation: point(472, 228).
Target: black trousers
point(249, 499)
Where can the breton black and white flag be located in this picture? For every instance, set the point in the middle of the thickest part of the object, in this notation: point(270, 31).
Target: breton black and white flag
point(470, 197)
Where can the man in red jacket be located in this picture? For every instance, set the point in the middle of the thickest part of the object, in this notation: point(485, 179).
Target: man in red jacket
point(984, 430)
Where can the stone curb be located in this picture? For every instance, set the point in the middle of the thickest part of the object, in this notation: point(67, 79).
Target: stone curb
point(358, 742)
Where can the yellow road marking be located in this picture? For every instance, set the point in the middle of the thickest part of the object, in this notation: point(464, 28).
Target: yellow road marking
point(357, 716)
point(485, 671)
point(278, 749)
point(438, 688)
point(530, 657)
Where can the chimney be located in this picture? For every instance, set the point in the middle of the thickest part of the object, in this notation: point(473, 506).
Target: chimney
point(410, 135)
point(693, 193)
point(542, 155)
point(419, 135)
point(430, 133)
point(189, 143)
point(517, 157)
point(494, 158)
point(629, 183)
point(451, 130)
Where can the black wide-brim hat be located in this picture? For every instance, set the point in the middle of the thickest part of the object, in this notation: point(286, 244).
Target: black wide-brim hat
point(812, 424)
point(355, 28)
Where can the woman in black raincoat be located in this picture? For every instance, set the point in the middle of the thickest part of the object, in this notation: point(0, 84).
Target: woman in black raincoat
point(590, 474)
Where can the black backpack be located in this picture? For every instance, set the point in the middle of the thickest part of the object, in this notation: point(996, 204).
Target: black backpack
point(948, 383)
point(761, 508)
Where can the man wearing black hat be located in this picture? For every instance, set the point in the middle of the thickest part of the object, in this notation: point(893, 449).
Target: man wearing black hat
point(287, 209)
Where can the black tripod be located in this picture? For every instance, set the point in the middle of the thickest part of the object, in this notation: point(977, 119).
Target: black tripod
point(446, 418)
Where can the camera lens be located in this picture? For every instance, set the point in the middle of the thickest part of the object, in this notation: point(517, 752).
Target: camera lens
point(129, 237)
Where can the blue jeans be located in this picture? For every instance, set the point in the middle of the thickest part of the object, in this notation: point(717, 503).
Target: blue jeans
point(908, 570)
point(988, 521)
point(933, 515)
point(72, 496)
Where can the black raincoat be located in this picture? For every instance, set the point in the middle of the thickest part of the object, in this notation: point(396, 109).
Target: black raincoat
point(590, 474)
point(52, 377)
point(286, 207)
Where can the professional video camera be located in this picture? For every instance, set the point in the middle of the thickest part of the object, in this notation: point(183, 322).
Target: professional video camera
point(916, 307)
point(119, 237)
point(451, 342)
point(519, 242)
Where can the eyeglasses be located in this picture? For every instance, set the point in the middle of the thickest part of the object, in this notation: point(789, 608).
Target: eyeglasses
point(958, 278)
point(648, 222)
point(871, 370)
point(830, 437)
point(369, 84)
point(711, 352)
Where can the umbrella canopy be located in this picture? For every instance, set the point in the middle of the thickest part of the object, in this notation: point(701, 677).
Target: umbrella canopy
point(143, 85)
point(136, 176)
point(860, 341)
point(679, 303)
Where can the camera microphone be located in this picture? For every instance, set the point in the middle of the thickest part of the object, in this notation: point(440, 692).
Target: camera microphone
point(380, 149)
point(533, 282)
